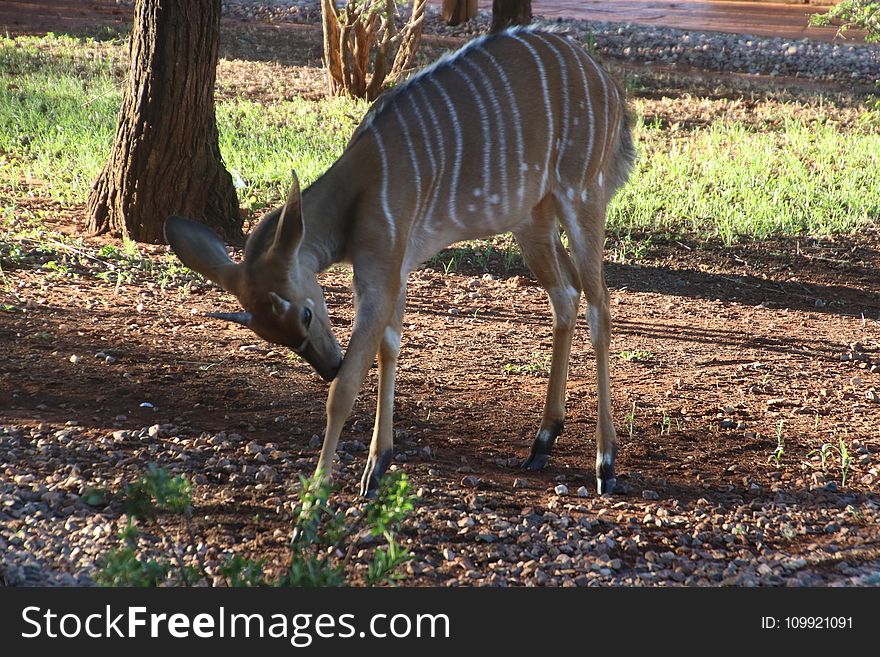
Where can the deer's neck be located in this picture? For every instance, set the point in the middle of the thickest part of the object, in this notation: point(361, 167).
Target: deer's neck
point(328, 206)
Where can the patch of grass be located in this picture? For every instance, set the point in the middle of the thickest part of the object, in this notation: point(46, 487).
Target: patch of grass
point(624, 248)
point(538, 365)
point(59, 100)
point(263, 144)
point(58, 111)
point(733, 181)
point(499, 254)
point(725, 178)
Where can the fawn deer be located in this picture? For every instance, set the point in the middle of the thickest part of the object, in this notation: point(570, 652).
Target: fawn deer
point(520, 131)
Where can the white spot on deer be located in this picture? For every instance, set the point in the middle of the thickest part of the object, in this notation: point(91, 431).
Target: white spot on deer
point(471, 207)
point(566, 313)
point(593, 321)
point(584, 196)
point(478, 192)
point(392, 338)
point(494, 199)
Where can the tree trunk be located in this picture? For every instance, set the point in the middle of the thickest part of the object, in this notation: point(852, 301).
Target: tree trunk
point(510, 12)
point(165, 158)
point(455, 12)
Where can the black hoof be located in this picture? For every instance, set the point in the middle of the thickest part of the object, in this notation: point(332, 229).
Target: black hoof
point(542, 445)
point(376, 467)
point(606, 478)
point(606, 486)
point(536, 462)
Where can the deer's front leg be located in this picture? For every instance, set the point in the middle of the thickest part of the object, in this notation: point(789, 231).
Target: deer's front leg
point(382, 444)
point(371, 318)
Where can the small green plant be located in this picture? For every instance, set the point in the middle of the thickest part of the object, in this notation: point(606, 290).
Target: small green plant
point(539, 365)
point(449, 266)
point(636, 356)
point(324, 538)
point(631, 418)
point(324, 541)
point(776, 456)
point(830, 451)
point(624, 249)
point(156, 492)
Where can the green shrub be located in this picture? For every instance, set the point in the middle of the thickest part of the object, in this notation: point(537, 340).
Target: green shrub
point(853, 15)
point(324, 538)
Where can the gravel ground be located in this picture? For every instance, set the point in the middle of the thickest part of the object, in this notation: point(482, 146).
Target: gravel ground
point(803, 58)
point(464, 536)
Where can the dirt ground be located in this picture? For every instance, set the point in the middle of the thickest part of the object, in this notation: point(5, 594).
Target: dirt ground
point(718, 353)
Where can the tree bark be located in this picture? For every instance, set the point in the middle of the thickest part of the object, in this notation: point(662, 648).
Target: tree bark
point(510, 12)
point(165, 158)
point(455, 12)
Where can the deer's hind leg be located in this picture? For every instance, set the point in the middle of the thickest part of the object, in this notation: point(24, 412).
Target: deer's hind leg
point(546, 257)
point(584, 224)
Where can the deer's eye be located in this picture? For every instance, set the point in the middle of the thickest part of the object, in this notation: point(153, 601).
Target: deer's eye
point(306, 317)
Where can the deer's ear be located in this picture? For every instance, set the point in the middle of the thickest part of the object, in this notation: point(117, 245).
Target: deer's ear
point(202, 250)
point(290, 230)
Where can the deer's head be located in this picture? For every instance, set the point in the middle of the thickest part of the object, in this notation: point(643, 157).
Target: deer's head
point(283, 302)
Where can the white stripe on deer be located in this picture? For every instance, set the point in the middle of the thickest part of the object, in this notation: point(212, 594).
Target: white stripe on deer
point(414, 162)
point(542, 74)
point(502, 131)
point(438, 142)
point(566, 101)
point(510, 99)
point(459, 147)
point(484, 126)
point(605, 106)
point(383, 157)
point(591, 127)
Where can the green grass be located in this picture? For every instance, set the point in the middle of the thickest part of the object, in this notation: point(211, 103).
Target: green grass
point(731, 181)
point(264, 143)
point(537, 365)
point(57, 115)
point(59, 99)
